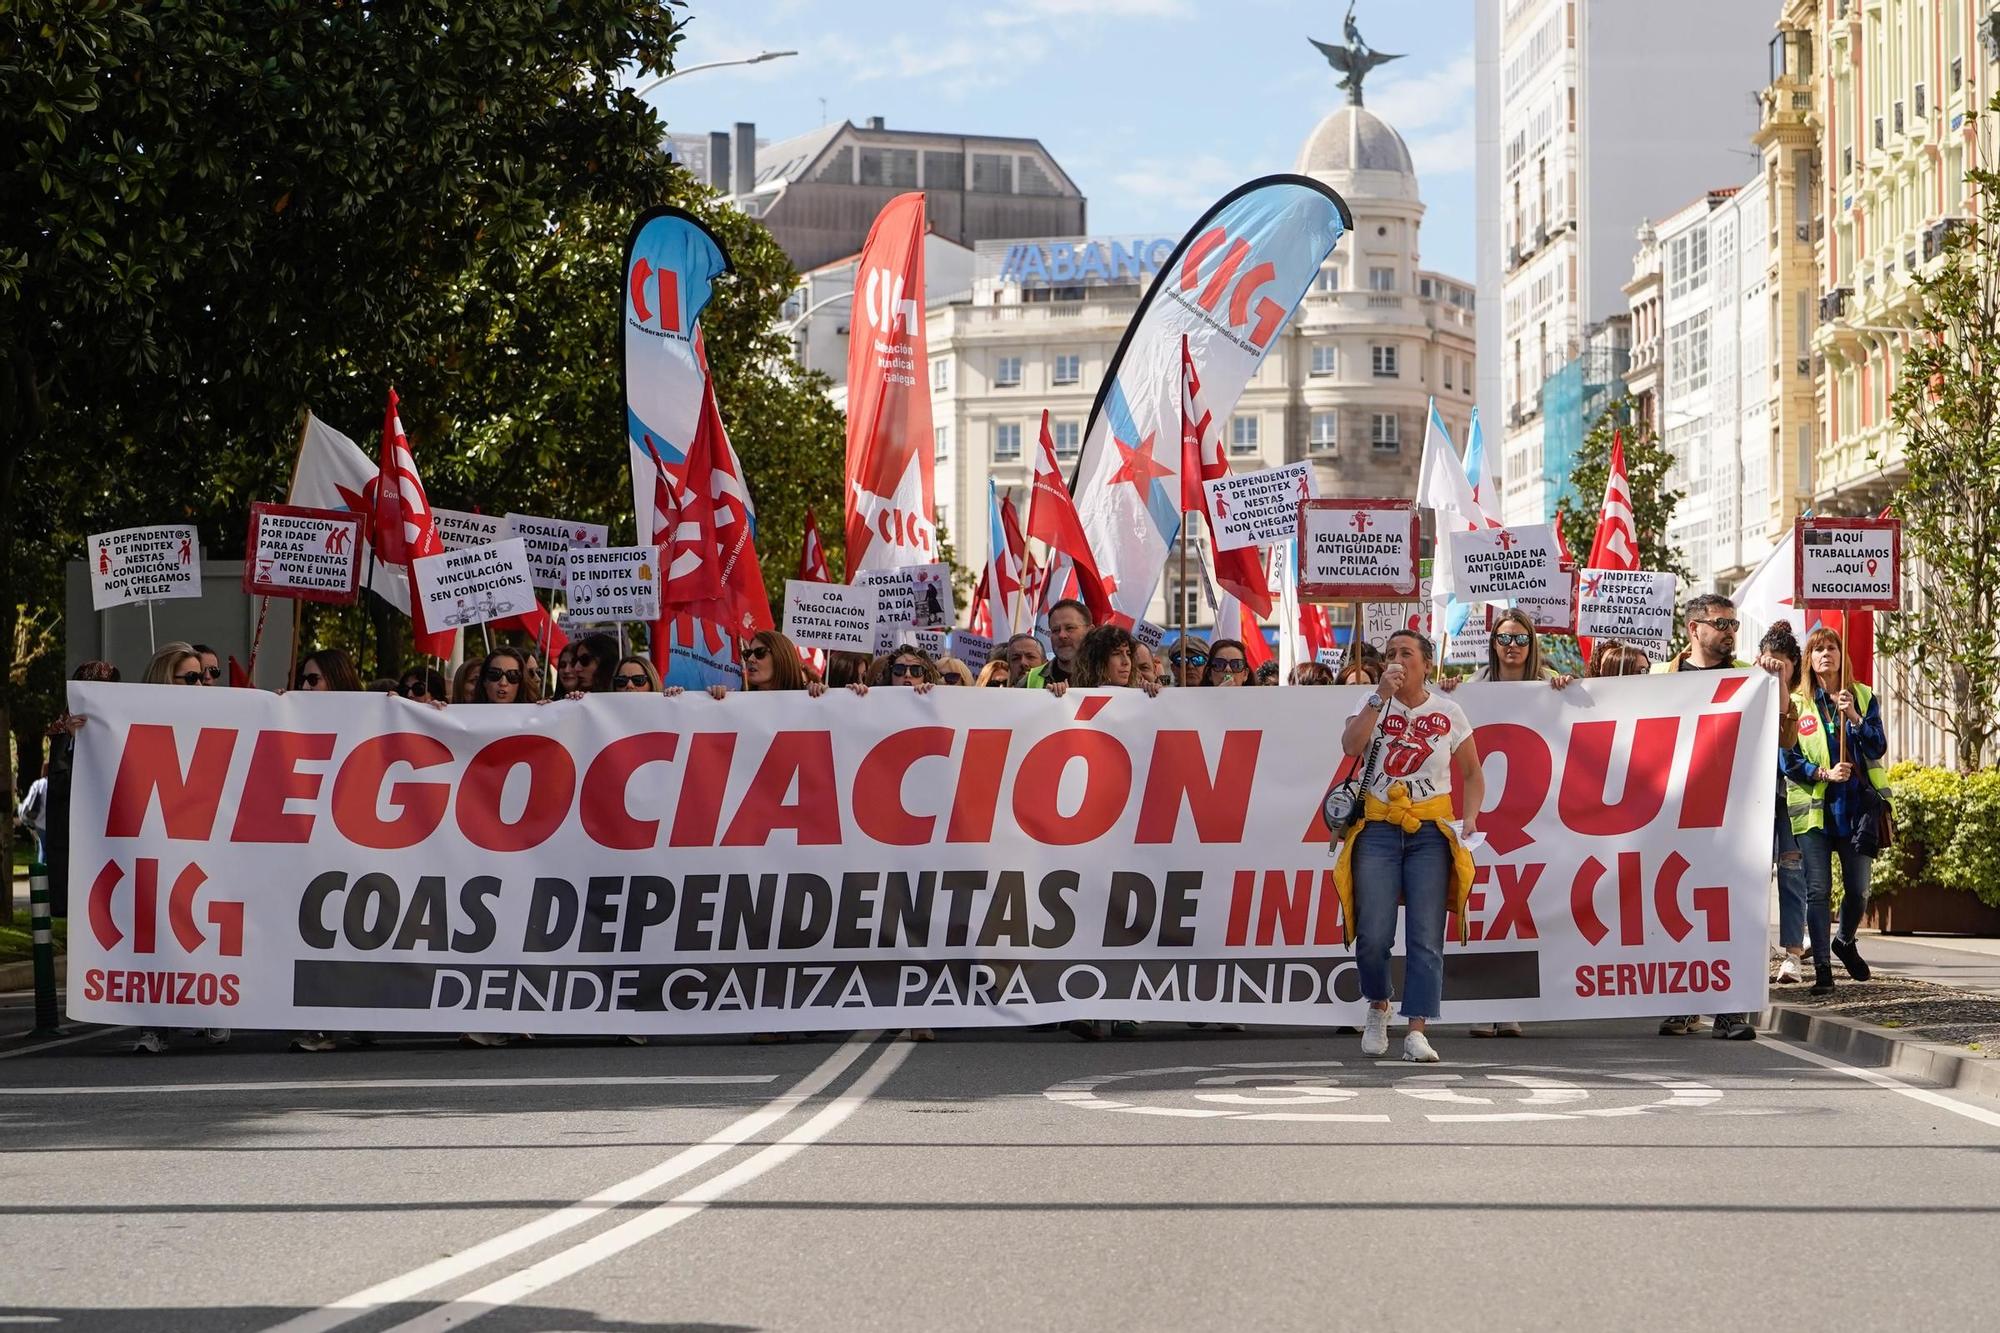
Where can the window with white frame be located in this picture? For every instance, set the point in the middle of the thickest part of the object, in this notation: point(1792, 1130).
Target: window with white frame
point(1007, 372)
point(941, 440)
point(1381, 279)
point(1447, 371)
point(940, 374)
point(1325, 432)
point(1006, 441)
point(1243, 435)
point(1328, 279)
point(1383, 356)
point(1067, 437)
point(1687, 262)
point(1385, 432)
point(1068, 368)
point(1326, 359)
point(1687, 355)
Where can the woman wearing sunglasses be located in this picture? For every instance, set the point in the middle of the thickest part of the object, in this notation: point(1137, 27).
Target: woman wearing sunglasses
point(772, 662)
point(173, 664)
point(504, 678)
point(996, 674)
point(954, 672)
point(424, 685)
point(1514, 654)
point(327, 669)
point(635, 674)
point(1228, 663)
point(907, 666)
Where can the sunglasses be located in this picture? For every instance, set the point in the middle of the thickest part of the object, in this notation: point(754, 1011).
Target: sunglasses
point(191, 677)
point(906, 668)
point(212, 673)
point(1191, 659)
point(584, 659)
point(1726, 626)
point(631, 682)
point(306, 678)
point(756, 652)
point(496, 674)
point(1511, 640)
point(997, 683)
point(414, 689)
point(1231, 665)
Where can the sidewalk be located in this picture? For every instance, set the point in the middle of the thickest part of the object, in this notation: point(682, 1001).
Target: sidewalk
point(1944, 960)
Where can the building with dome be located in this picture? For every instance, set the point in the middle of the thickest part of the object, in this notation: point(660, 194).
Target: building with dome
point(1346, 386)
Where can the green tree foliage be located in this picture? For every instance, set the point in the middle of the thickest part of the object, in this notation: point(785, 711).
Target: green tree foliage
point(1647, 465)
point(215, 214)
point(1946, 409)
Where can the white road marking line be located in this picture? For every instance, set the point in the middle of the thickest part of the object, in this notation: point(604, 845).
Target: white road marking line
point(367, 1084)
point(585, 1254)
point(64, 1041)
point(1884, 1081)
point(453, 1266)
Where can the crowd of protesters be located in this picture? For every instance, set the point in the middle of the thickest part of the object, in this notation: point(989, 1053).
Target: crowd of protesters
point(1403, 850)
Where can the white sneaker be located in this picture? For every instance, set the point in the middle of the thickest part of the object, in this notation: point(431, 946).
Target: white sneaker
point(1788, 971)
point(1417, 1049)
point(151, 1041)
point(1375, 1034)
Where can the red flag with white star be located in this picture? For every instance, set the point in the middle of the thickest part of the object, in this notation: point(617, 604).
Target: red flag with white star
point(1052, 519)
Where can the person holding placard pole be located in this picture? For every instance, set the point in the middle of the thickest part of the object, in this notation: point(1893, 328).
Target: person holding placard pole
point(1835, 800)
point(1405, 847)
point(1778, 653)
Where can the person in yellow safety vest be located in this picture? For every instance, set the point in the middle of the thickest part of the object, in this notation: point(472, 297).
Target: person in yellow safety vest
point(1406, 846)
point(1826, 796)
point(1711, 625)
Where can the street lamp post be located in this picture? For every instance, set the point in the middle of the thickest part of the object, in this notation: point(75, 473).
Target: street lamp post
point(757, 59)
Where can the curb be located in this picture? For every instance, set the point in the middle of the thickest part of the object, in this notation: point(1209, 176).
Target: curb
point(1870, 1046)
point(21, 975)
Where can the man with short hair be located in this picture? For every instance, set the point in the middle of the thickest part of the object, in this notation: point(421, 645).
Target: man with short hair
point(211, 664)
point(1711, 624)
point(1069, 621)
point(1023, 653)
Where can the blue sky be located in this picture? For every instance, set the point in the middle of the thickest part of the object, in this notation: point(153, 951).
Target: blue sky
point(1154, 107)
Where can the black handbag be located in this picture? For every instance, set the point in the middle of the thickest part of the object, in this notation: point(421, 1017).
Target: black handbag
point(1874, 819)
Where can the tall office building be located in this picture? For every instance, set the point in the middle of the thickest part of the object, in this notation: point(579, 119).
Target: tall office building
point(1593, 115)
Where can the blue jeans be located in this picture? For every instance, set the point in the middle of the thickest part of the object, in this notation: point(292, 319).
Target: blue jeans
point(1391, 866)
point(1819, 847)
point(1791, 884)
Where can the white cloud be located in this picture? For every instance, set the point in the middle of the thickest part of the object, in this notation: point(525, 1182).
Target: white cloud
point(1418, 101)
point(1184, 185)
point(1109, 8)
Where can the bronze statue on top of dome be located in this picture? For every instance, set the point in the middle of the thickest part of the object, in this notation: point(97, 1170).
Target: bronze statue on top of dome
point(1354, 60)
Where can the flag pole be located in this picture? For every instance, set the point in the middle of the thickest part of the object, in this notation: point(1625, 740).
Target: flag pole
point(1846, 684)
point(152, 638)
point(257, 638)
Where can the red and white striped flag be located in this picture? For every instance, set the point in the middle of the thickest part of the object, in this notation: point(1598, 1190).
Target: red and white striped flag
point(1241, 571)
point(402, 524)
point(1617, 542)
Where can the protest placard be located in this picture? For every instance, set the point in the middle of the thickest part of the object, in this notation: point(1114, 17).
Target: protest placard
point(1849, 564)
point(1259, 508)
point(1629, 605)
point(311, 555)
point(1549, 615)
point(458, 529)
point(1501, 564)
point(1468, 647)
point(895, 595)
point(838, 617)
point(975, 650)
point(614, 582)
point(476, 585)
point(1381, 619)
point(930, 596)
point(143, 565)
point(1358, 550)
point(548, 541)
point(1148, 635)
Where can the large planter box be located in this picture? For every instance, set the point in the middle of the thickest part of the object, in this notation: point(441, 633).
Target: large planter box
point(1930, 910)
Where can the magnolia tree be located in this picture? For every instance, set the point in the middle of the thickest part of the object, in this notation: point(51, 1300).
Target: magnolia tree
point(1946, 408)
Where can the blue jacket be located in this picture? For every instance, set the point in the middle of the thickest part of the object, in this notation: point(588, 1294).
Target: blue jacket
point(1866, 743)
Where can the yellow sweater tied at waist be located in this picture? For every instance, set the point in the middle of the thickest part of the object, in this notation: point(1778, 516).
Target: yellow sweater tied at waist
point(1408, 816)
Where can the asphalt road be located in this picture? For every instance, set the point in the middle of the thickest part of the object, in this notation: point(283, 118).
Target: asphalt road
point(1585, 1176)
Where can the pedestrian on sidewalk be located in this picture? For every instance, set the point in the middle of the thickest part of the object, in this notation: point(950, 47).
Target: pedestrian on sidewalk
point(1778, 653)
point(1406, 847)
point(1835, 800)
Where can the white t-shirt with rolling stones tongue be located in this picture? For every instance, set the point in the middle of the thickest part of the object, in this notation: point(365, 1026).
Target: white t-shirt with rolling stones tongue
point(1417, 746)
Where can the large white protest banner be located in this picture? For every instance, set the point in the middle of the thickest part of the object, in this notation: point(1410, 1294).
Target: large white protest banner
point(458, 529)
point(630, 863)
point(839, 617)
point(1259, 508)
point(476, 585)
point(310, 555)
point(144, 565)
point(1500, 564)
point(1630, 605)
point(548, 541)
point(1358, 550)
point(616, 583)
point(1849, 564)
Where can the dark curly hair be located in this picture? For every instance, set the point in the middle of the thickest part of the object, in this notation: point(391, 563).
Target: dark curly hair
point(1096, 652)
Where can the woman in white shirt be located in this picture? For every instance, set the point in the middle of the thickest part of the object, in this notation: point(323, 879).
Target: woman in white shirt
point(1406, 848)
